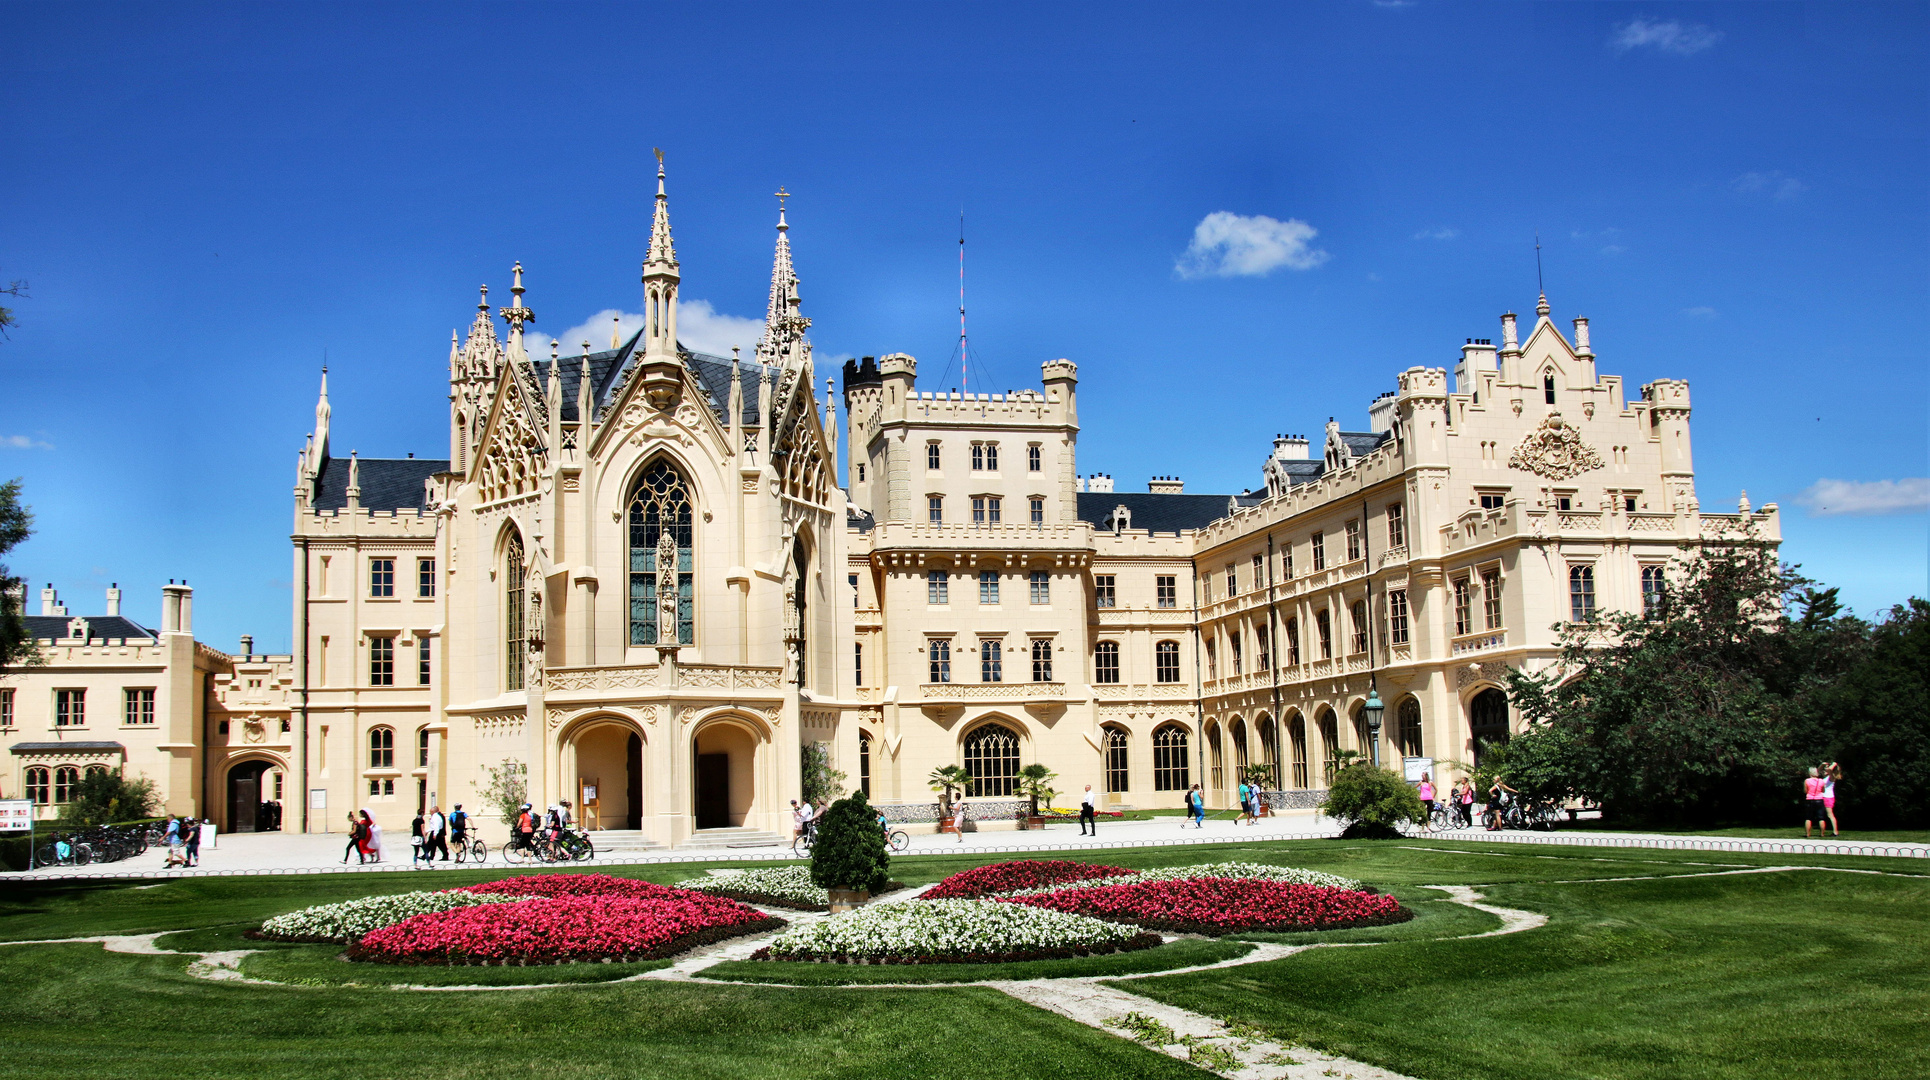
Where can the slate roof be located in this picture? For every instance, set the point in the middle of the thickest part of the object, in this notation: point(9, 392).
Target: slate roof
point(387, 483)
point(859, 520)
point(69, 747)
point(100, 626)
point(607, 369)
point(1363, 443)
point(1160, 513)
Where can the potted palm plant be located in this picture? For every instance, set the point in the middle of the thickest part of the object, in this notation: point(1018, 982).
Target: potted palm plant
point(1035, 781)
point(947, 782)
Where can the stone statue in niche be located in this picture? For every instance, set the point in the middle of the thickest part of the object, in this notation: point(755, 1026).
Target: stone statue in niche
point(666, 588)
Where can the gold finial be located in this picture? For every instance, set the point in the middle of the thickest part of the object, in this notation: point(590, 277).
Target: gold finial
point(659, 156)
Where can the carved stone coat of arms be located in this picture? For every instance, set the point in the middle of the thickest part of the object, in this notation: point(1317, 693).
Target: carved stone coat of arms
point(1555, 450)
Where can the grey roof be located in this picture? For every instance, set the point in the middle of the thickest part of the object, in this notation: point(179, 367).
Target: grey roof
point(387, 483)
point(70, 747)
point(1363, 443)
point(859, 520)
point(100, 626)
point(607, 370)
point(1160, 513)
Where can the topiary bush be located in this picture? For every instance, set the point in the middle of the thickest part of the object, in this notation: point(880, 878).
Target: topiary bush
point(1373, 802)
point(850, 848)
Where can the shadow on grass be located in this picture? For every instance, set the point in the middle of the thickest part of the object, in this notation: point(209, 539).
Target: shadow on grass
point(1177, 954)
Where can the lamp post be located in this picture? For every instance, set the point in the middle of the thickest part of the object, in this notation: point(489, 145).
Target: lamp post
point(1373, 708)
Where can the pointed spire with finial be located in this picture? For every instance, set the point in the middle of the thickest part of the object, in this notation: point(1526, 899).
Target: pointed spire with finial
point(516, 314)
point(660, 280)
point(585, 407)
point(482, 350)
point(784, 321)
point(1541, 307)
point(318, 442)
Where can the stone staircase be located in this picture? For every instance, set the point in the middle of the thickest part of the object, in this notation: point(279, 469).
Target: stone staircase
point(733, 838)
point(623, 842)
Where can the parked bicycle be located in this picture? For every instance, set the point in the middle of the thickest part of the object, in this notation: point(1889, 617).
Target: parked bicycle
point(65, 850)
point(469, 848)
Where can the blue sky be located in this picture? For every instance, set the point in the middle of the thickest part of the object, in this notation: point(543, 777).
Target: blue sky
point(206, 200)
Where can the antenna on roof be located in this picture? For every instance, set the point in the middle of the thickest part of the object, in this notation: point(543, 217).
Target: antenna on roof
point(965, 371)
point(1539, 287)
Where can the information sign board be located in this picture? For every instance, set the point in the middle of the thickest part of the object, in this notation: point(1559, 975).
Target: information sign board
point(16, 815)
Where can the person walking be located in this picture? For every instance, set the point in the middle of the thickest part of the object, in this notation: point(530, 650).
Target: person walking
point(1196, 807)
point(1088, 815)
point(459, 826)
point(1246, 804)
point(354, 841)
point(417, 839)
point(1498, 794)
point(192, 834)
point(436, 833)
point(1813, 808)
point(1464, 802)
point(1832, 772)
point(1426, 792)
point(799, 815)
point(371, 836)
point(177, 852)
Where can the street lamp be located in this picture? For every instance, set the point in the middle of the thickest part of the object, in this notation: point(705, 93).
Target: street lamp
point(1373, 708)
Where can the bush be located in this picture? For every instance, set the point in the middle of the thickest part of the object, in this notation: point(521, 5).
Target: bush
point(850, 849)
point(1373, 802)
point(106, 796)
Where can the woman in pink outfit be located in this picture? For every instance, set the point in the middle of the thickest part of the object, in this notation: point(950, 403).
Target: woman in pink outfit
point(1813, 789)
point(1426, 792)
point(1832, 772)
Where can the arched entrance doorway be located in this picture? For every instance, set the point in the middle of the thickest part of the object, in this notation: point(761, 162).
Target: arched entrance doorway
point(1487, 721)
point(609, 775)
point(725, 775)
point(244, 796)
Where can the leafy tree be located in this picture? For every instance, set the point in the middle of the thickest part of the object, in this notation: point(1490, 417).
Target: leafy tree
point(1871, 718)
point(106, 797)
point(506, 789)
point(1373, 802)
point(1036, 781)
point(850, 850)
point(820, 781)
point(16, 524)
point(11, 288)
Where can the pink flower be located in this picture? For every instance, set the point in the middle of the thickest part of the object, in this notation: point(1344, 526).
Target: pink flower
point(1224, 905)
point(565, 927)
point(1004, 877)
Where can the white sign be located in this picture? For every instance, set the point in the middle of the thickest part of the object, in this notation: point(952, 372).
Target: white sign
point(318, 798)
point(1414, 767)
point(16, 815)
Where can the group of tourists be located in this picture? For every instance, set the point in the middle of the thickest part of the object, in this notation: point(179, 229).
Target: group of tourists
point(804, 819)
point(182, 836)
point(549, 822)
point(1460, 798)
point(432, 832)
point(364, 838)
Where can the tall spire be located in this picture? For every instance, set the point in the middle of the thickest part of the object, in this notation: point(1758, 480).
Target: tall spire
point(516, 314)
point(481, 351)
point(318, 442)
point(660, 279)
point(784, 322)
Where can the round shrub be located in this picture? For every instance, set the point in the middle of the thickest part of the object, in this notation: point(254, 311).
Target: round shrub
point(1373, 802)
point(850, 850)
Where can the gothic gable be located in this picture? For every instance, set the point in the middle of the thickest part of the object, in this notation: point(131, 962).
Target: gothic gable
point(510, 450)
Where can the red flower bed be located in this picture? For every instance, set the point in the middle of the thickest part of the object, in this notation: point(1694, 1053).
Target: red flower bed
point(564, 929)
point(555, 885)
point(1225, 905)
point(981, 881)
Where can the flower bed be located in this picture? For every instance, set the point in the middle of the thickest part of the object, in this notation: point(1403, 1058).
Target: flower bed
point(779, 886)
point(983, 881)
point(1291, 875)
point(555, 885)
point(952, 932)
point(354, 918)
point(1215, 906)
point(564, 929)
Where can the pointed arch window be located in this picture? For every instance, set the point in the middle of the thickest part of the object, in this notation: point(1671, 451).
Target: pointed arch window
point(1170, 759)
point(515, 633)
point(662, 603)
point(1118, 757)
point(992, 757)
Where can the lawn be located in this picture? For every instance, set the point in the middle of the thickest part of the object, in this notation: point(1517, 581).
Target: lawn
point(1766, 975)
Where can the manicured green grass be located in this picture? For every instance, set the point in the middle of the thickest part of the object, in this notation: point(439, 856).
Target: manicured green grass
point(1763, 975)
point(321, 965)
point(1755, 832)
point(1177, 954)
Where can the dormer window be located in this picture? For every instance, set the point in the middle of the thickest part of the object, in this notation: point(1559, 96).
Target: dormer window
point(1548, 388)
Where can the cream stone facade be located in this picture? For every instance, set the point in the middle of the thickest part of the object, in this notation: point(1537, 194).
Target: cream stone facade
point(637, 574)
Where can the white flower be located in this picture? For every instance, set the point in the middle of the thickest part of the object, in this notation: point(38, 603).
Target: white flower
point(354, 918)
point(947, 927)
point(1290, 874)
point(792, 883)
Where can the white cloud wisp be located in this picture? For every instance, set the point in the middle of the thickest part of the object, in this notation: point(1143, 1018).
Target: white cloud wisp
point(1867, 498)
point(1775, 184)
point(1443, 233)
point(1235, 245)
point(700, 328)
point(1673, 36)
point(24, 442)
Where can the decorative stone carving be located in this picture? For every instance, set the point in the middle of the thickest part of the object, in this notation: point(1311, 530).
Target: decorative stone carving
point(1555, 450)
point(1494, 671)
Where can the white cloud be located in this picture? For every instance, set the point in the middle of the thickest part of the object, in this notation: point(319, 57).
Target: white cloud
point(1613, 249)
point(1867, 498)
point(24, 442)
point(1775, 184)
point(1443, 233)
point(1700, 312)
point(1234, 245)
point(700, 328)
point(1673, 36)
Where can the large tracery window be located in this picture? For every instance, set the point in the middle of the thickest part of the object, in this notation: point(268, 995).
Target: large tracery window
point(514, 632)
point(992, 757)
point(1118, 758)
point(1170, 772)
point(662, 605)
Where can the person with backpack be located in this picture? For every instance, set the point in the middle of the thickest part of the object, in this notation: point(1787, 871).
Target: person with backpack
point(1195, 807)
point(459, 826)
point(524, 835)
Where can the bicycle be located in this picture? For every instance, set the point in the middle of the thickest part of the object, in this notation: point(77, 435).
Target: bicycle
point(520, 849)
point(802, 843)
point(65, 851)
point(574, 845)
point(467, 850)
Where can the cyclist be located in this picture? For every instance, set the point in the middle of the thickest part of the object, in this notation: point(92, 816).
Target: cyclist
point(1498, 798)
point(459, 825)
point(524, 834)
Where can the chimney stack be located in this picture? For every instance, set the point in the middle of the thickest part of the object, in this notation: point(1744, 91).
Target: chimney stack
point(1166, 485)
point(1290, 447)
point(177, 608)
point(50, 601)
point(247, 644)
point(114, 598)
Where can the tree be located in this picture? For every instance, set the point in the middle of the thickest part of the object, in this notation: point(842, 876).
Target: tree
point(17, 647)
point(506, 789)
point(107, 797)
point(1035, 781)
point(945, 781)
point(17, 287)
point(850, 849)
point(819, 780)
point(1871, 718)
point(1373, 802)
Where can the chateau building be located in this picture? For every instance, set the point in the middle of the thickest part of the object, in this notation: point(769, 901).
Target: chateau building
point(637, 575)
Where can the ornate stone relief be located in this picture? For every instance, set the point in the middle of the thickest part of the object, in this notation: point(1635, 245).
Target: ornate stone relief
point(1494, 671)
point(1555, 450)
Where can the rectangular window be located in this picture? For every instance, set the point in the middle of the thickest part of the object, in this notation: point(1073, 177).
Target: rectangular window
point(1038, 511)
point(1397, 616)
point(1041, 587)
point(1232, 582)
point(1293, 641)
point(931, 456)
point(6, 708)
point(978, 511)
point(991, 660)
point(1651, 591)
point(1212, 661)
point(1396, 526)
point(1103, 594)
point(1033, 459)
point(1239, 658)
point(1166, 661)
point(1359, 612)
point(425, 579)
point(1491, 597)
point(1564, 503)
point(1286, 561)
point(860, 472)
point(1259, 571)
point(381, 577)
point(423, 651)
point(978, 457)
point(938, 587)
point(381, 661)
point(1492, 500)
point(935, 510)
point(1581, 594)
point(1319, 551)
point(1325, 625)
point(139, 706)
point(1463, 607)
point(1353, 541)
point(853, 579)
point(70, 708)
point(857, 663)
point(1166, 590)
point(1628, 504)
point(1262, 655)
point(988, 586)
point(1105, 663)
point(991, 457)
point(1041, 660)
point(993, 505)
point(940, 651)
point(422, 749)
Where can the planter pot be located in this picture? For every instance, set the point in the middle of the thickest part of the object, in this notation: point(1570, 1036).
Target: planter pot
point(843, 900)
point(1035, 822)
